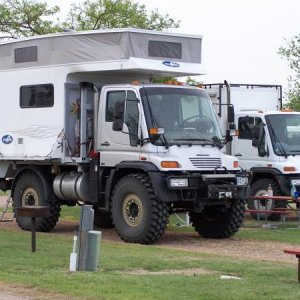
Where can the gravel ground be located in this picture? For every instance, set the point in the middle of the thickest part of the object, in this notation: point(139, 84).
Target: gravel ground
point(189, 241)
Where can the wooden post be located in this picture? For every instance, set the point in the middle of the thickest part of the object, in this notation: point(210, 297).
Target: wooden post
point(33, 212)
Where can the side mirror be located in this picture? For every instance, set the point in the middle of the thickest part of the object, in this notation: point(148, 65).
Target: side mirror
point(228, 136)
point(230, 113)
point(230, 132)
point(118, 115)
point(258, 140)
point(117, 125)
point(118, 111)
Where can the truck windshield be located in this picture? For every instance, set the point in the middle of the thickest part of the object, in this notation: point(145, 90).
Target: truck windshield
point(285, 133)
point(186, 115)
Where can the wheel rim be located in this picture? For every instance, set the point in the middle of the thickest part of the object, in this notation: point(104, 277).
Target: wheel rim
point(132, 209)
point(262, 204)
point(30, 197)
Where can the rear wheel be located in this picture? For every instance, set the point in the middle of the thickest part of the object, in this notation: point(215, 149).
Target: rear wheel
point(259, 188)
point(217, 222)
point(137, 216)
point(31, 190)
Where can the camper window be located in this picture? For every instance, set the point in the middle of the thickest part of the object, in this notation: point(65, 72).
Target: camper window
point(33, 96)
point(164, 49)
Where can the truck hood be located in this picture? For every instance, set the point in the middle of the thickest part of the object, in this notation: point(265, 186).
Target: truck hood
point(194, 158)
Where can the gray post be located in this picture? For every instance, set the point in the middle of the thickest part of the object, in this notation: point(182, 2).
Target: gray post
point(93, 250)
point(86, 224)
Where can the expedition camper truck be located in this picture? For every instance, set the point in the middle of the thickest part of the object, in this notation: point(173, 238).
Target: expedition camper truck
point(77, 127)
point(268, 140)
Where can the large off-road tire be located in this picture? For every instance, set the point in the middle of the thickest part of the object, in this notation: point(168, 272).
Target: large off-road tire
point(32, 190)
point(137, 215)
point(102, 219)
point(218, 223)
point(259, 188)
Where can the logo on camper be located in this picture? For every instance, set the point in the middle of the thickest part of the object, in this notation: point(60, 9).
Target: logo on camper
point(170, 63)
point(7, 139)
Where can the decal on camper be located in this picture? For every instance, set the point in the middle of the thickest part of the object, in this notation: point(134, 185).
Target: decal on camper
point(7, 139)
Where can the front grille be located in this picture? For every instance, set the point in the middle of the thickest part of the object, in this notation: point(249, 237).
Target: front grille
point(205, 162)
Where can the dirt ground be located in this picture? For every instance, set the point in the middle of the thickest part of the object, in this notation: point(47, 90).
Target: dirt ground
point(188, 241)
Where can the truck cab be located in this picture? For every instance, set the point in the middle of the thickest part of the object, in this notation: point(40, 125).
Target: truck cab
point(267, 139)
point(273, 150)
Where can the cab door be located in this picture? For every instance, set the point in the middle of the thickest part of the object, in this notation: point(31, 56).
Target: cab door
point(242, 144)
point(119, 144)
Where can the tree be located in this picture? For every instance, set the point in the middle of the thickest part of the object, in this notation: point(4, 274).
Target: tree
point(30, 17)
point(103, 14)
point(292, 54)
point(25, 18)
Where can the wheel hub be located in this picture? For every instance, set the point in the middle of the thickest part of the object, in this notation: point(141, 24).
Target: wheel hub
point(263, 204)
point(132, 210)
point(30, 197)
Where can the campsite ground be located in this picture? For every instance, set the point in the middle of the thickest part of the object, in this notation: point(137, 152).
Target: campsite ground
point(237, 247)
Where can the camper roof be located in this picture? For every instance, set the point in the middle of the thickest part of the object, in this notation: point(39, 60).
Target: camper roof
point(171, 49)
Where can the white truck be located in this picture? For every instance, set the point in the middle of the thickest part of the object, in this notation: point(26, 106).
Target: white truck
point(268, 140)
point(82, 123)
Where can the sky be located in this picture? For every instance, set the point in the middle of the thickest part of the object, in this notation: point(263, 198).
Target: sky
point(241, 38)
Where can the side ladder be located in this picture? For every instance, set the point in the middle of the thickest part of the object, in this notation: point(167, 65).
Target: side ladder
point(7, 214)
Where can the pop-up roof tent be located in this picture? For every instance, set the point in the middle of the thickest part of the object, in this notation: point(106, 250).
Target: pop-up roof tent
point(176, 53)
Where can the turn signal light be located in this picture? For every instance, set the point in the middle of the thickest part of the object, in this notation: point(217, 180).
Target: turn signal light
point(289, 169)
point(135, 82)
point(156, 131)
point(169, 164)
point(236, 164)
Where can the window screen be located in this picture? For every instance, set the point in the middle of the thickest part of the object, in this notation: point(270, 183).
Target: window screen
point(164, 49)
point(26, 54)
point(37, 96)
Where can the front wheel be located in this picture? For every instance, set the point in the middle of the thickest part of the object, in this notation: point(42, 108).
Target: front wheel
point(137, 215)
point(260, 188)
point(218, 222)
point(31, 190)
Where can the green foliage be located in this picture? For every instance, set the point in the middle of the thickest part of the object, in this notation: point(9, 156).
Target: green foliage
point(26, 18)
point(193, 82)
point(292, 53)
point(103, 14)
point(173, 80)
point(20, 18)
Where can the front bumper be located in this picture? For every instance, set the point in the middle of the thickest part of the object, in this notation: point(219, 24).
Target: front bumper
point(202, 187)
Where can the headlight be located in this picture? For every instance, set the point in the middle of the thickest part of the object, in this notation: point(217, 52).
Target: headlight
point(242, 180)
point(178, 182)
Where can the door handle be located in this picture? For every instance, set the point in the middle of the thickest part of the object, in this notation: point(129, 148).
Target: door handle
point(238, 154)
point(105, 144)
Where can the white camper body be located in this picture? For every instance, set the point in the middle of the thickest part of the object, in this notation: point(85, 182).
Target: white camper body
point(77, 126)
point(275, 161)
point(60, 62)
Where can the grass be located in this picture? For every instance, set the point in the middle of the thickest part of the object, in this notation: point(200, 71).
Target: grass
point(46, 271)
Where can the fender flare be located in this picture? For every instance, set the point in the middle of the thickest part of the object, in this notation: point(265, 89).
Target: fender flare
point(35, 170)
